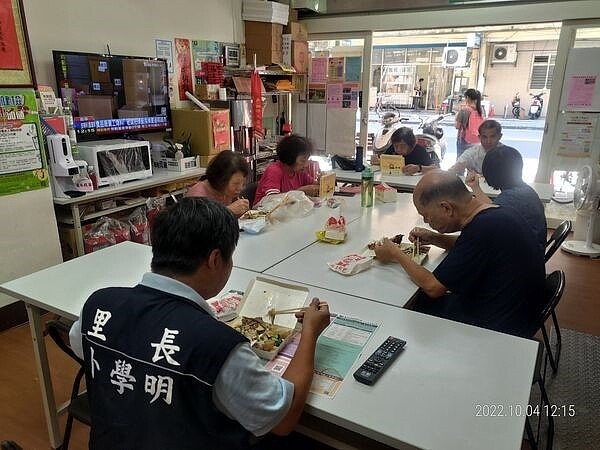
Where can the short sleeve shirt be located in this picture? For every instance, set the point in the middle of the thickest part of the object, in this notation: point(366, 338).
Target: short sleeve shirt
point(526, 202)
point(276, 180)
point(418, 156)
point(495, 272)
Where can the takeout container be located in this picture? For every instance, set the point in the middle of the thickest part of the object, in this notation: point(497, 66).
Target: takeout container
point(260, 296)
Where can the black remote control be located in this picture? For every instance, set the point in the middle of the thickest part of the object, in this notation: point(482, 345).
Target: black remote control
point(380, 360)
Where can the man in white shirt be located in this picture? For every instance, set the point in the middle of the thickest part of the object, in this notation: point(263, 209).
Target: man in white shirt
point(490, 133)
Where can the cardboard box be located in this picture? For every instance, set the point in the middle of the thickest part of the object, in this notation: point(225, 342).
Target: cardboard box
point(391, 164)
point(385, 193)
point(264, 40)
point(176, 165)
point(300, 56)
point(207, 91)
point(208, 130)
point(204, 160)
point(263, 57)
point(297, 30)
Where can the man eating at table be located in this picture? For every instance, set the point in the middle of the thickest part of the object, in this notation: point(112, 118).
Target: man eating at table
point(162, 372)
point(494, 272)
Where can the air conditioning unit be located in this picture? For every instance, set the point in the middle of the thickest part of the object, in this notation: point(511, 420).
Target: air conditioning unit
point(318, 6)
point(454, 57)
point(504, 53)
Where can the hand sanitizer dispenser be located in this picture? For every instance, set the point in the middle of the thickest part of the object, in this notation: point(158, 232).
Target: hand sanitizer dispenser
point(61, 158)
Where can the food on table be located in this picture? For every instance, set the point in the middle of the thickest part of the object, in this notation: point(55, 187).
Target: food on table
point(262, 335)
point(254, 214)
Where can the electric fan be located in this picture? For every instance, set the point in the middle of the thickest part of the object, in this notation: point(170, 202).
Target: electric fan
point(586, 197)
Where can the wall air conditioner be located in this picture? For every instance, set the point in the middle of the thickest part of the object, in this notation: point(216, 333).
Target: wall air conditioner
point(454, 57)
point(504, 53)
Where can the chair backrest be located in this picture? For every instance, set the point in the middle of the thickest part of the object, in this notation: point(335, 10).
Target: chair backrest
point(249, 192)
point(553, 291)
point(557, 238)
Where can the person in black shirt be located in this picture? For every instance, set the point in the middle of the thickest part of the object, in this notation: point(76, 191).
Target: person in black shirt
point(491, 278)
point(416, 158)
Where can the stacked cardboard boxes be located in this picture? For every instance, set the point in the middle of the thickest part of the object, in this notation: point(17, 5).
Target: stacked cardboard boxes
point(208, 131)
point(295, 46)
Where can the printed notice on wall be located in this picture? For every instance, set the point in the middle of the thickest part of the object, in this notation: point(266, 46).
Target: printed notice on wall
point(335, 69)
point(577, 134)
point(334, 95)
point(164, 50)
point(581, 91)
point(22, 164)
point(318, 72)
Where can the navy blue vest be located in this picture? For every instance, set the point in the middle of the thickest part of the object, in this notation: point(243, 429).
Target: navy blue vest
point(151, 359)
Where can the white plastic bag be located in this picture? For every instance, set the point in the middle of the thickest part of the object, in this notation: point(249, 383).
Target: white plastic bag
point(286, 206)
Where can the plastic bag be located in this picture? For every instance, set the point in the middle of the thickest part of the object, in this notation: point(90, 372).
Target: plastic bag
point(106, 232)
point(286, 206)
point(253, 226)
point(140, 230)
point(351, 264)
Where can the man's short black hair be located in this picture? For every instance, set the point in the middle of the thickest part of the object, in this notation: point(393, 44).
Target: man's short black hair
point(502, 167)
point(406, 135)
point(184, 235)
point(450, 188)
point(292, 146)
point(490, 124)
point(223, 167)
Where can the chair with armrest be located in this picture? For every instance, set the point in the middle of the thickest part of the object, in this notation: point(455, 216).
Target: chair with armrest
point(557, 238)
point(79, 406)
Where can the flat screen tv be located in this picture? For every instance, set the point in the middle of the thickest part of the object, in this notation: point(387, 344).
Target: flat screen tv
point(111, 95)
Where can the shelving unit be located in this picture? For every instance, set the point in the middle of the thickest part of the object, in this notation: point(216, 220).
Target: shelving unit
point(73, 212)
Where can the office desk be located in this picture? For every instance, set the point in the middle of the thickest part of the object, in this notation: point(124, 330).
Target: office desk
point(280, 240)
point(408, 183)
point(387, 284)
point(427, 399)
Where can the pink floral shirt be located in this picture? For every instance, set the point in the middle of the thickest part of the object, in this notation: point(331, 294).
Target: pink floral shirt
point(277, 180)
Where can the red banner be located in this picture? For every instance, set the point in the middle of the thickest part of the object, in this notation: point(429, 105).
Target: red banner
point(257, 106)
point(10, 54)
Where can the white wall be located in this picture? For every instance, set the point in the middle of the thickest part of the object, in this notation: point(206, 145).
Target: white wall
point(28, 232)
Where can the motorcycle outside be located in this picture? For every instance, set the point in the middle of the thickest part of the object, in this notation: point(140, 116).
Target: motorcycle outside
point(431, 135)
point(516, 106)
point(382, 139)
point(537, 103)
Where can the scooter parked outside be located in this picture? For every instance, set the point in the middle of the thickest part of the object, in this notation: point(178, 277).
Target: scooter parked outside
point(537, 104)
point(382, 139)
point(516, 106)
point(431, 135)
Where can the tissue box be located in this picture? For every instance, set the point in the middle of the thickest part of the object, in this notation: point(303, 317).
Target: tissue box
point(385, 193)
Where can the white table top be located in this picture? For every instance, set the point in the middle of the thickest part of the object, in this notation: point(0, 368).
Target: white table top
point(408, 182)
point(387, 284)
point(158, 178)
point(280, 240)
point(426, 399)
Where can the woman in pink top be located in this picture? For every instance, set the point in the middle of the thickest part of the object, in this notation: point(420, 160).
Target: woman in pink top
point(223, 181)
point(290, 172)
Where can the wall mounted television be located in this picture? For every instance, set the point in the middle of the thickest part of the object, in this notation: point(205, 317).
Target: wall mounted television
point(113, 95)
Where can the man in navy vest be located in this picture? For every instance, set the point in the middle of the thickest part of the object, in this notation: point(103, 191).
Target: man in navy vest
point(162, 372)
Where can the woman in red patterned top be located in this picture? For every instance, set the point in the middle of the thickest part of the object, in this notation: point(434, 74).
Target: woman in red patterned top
point(290, 172)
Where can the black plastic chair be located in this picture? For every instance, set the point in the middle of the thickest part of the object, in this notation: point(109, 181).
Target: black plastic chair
point(249, 192)
point(557, 238)
point(538, 378)
point(553, 291)
point(79, 405)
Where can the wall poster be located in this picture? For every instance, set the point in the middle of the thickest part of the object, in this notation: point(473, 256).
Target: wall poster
point(22, 160)
point(16, 65)
point(164, 50)
point(576, 136)
point(184, 67)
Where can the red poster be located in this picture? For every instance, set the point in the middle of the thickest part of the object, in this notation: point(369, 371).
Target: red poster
point(257, 107)
point(10, 55)
point(184, 67)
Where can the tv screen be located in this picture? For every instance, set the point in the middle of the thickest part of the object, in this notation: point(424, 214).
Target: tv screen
point(112, 95)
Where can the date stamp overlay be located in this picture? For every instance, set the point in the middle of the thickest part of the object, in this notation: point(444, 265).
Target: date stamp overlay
point(500, 410)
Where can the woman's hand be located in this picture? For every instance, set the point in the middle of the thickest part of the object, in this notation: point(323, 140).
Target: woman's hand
point(411, 169)
point(239, 207)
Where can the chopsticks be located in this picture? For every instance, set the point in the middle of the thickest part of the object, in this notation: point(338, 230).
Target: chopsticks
point(275, 312)
point(416, 248)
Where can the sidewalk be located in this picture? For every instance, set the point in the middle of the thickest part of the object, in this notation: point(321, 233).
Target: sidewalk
point(508, 123)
